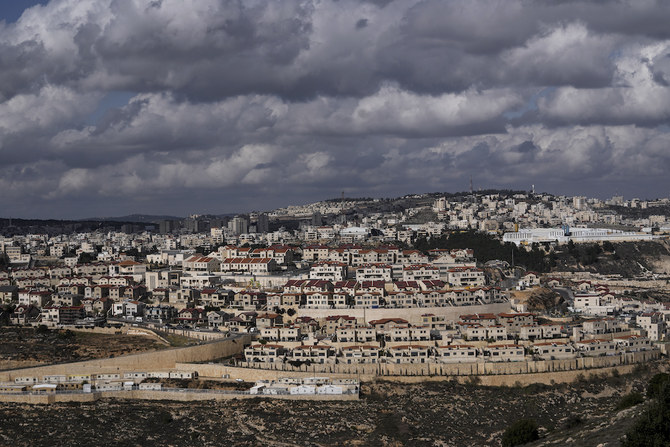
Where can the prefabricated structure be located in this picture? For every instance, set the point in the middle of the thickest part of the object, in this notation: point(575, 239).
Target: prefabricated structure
point(45, 388)
point(107, 376)
point(110, 386)
point(12, 389)
point(56, 378)
point(135, 375)
point(183, 374)
point(303, 389)
point(329, 389)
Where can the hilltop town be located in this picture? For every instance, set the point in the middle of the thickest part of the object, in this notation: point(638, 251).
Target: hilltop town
point(312, 300)
point(347, 302)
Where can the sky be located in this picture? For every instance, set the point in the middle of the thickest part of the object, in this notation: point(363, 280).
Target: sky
point(113, 107)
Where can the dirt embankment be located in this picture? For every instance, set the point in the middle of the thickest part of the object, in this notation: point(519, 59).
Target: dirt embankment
point(539, 299)
point(23, 347)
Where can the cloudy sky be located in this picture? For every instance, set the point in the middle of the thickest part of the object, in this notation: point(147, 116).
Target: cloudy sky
point(110, 107)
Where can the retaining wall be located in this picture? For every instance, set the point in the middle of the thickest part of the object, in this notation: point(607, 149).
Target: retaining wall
point(411, 314)
point(181, 396)
point(270, 371)
point(147, 361)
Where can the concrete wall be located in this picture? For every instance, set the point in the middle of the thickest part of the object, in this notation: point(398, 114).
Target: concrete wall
point(190, 396)
point(423, 370)
point(148, 361)
point(28, 399)
point(412, 314)
point(182, 396)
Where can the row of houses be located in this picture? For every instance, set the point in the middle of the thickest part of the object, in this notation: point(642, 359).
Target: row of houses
point(83, 378)
point(307, 385)
point(354, 255)
point(454, 353)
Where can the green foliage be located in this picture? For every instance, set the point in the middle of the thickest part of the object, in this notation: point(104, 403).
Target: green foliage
point(210, 308)
point(66, 334)
point(656, 384)
point(42, 329)
point(630, 400)
point(134, 252)
point(291, 312)
point(520, 432)
point(488, 247)
point(652, 428)
point(87, 258)
point(572, 248)
point(589, 255)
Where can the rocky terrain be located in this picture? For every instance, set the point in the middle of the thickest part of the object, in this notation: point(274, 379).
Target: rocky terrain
point(440, 413)
point(628, 259)
point(21, 347)
point(540, 299)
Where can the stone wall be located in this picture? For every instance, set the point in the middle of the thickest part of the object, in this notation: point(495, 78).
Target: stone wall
point(182, 396)
point(411, 314)
point(422, 370)
point(29, 398)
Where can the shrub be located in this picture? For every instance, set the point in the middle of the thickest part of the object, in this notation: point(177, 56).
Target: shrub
point(520, 432)
point(573, 421)
point(630, 400)
point(66, 334)
point(656, 384)
point(474, 381)
point(652, 428)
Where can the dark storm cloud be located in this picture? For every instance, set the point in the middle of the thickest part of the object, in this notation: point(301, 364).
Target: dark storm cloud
point(262, 102)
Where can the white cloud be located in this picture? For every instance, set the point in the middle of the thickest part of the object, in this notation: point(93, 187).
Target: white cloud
point(309, 97)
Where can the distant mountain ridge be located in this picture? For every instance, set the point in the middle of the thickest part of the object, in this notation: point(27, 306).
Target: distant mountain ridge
point(140, 218)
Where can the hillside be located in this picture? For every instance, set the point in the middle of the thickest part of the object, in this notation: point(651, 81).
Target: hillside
point(440, 413)
point(628, 259)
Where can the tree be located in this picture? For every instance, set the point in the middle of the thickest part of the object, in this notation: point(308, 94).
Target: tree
point(652, 428)
point(656, 384)
point(86, 258)
point(571, 248)
point(520, 432)
point(209, 308)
